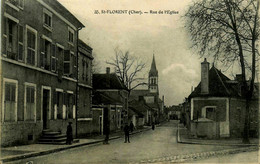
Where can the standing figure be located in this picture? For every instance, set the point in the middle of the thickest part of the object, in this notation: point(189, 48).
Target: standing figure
point(126, 130)
point(131, 127)
point(69, 134)
point(153, 126)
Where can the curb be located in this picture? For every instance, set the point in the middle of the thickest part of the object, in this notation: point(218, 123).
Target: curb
point(34, 154)
point(179, 140)
point(196, 156)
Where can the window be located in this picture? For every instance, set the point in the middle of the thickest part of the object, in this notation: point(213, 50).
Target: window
point(70, 104)
point(209, 113)
point(47, 19)
point(45, 53)
point(71, 36)
point(85, 70)
point(67, 63)
point(31, 45)
point(70, 64)
point(15, 3)
point(58, 100)
point(10, 100)
point(10, 38)
point(30, 103)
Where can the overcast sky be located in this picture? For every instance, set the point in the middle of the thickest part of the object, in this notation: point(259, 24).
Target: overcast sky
point(163, 34)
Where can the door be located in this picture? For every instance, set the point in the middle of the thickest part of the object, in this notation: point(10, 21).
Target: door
point(45, 108)
point(100, 125)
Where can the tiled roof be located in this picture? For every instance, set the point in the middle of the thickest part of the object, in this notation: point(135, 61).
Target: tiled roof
point(107, 81)
point(219, 86)
point(102, 98)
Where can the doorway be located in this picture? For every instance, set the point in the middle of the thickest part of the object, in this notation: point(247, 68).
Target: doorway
point(45, 107)
point(101, 125)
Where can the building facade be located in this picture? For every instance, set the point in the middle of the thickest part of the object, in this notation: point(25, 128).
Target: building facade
point(39, 69)
point(84, 116)
point(217, 109)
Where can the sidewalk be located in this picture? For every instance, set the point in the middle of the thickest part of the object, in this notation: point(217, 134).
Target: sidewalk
point(26, 151)
point(183, 137)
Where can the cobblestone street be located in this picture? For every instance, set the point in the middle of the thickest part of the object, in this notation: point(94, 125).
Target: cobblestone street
point(150, 146)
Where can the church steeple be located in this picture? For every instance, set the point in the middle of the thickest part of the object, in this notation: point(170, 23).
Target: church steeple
point(153, 78)
point(153, 71)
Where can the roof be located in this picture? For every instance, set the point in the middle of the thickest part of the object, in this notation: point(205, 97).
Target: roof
point(57, 6)
point(140, 106)
point(85, 49)
point(102, 98)
point(219, 86)
point(134, 110)
point(153, 71)
point(107, 81)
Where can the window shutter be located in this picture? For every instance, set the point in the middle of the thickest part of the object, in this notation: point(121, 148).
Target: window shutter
point(54, 97)
point(53, 58)
point(42, 42)
point(20, 42)
point(64, 98)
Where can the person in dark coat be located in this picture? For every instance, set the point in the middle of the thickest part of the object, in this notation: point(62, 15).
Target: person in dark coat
point(126, 130)
point(131, 127)
point(153, 126)
point(69, 134)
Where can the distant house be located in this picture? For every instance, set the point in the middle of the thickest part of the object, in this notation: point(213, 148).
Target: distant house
point(112, 89)
point(150, 95)
point(216, 107)
point(142, 114)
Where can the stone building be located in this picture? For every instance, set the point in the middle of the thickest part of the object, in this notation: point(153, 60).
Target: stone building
point(110, 100)
point(150, 95)
point(39, 69)
point(84, 116)
point(217, 109)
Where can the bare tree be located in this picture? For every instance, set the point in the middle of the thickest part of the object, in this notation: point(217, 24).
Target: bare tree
point(228, 30)
point(128, 68)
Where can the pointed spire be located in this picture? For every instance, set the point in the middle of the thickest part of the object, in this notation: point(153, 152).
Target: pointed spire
point(153, 71)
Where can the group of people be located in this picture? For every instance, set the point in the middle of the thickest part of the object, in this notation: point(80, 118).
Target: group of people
point(127, 129)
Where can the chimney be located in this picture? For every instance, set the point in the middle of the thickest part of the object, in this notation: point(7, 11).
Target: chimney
point(205, 77)
point(108, 70)
point(108, 77)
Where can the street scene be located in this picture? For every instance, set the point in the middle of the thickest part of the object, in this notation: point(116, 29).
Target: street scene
point(152, 146)
point(129, 82)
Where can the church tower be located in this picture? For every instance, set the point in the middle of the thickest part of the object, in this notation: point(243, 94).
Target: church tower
point(153, 78)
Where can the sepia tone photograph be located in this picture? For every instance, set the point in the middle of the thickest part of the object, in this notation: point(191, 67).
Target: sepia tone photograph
point(129, 81)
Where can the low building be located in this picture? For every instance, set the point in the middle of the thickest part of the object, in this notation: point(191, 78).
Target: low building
point(108, 84)
point(216, 107)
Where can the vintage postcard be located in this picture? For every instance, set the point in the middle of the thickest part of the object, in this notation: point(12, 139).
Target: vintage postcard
point(130, 81)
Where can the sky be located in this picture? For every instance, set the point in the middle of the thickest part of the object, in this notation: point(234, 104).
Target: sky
point(143, 35)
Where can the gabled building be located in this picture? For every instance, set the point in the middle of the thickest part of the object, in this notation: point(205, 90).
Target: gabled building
point(217, 108)
point(115, 99)
point(38, 69)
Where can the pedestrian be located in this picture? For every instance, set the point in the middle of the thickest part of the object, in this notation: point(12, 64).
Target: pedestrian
point(153, 126)
point(69, 134)
point(126, 130)
point(131, 127)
